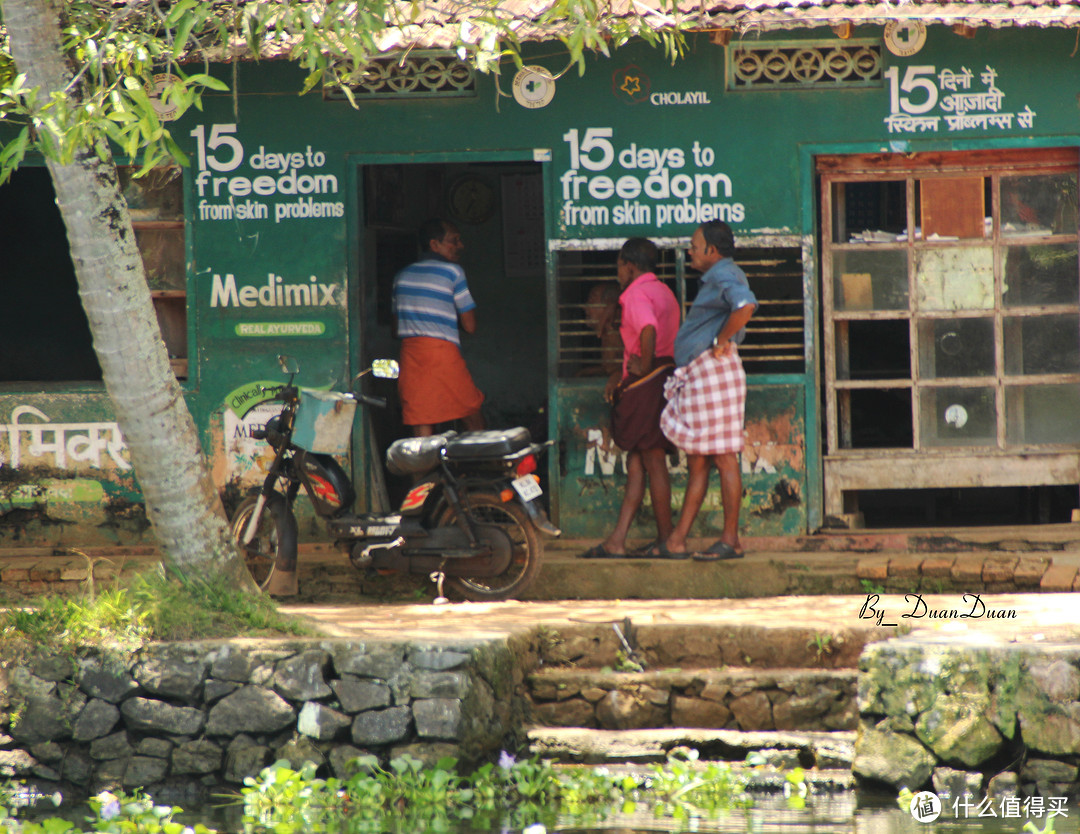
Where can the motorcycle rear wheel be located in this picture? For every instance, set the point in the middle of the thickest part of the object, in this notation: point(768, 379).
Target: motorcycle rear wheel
point(525, 556)
point(275, 535)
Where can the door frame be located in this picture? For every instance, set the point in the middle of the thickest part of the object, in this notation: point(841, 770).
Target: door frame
point(363, 467)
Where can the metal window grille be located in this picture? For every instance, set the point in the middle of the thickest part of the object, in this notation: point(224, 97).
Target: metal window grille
point(806, 64)
point(775, 339)
point(587, 305)
point(419, 74)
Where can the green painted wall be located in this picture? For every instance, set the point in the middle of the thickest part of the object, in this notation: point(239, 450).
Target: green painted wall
point(281, 258)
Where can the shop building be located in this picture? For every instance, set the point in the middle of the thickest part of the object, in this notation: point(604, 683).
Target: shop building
point(903, 191)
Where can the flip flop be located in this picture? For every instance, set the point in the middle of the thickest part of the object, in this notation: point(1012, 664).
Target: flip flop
point(659, 550)
point(600, 552)
point(718, 551)
point(644, 551)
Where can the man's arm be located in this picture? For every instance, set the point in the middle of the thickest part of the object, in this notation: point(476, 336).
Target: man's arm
point(468, 320)
point(736, 322)
point(643, 364)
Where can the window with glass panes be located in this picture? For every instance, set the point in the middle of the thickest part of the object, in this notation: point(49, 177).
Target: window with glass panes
point(951, 306)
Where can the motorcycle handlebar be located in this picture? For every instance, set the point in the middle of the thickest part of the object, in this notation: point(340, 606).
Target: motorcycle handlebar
point(367, 399)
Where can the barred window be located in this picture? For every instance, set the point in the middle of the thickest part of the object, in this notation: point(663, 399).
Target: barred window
point(587, 308)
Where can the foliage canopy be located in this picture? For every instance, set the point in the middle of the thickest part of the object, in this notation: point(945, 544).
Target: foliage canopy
point(126, 54)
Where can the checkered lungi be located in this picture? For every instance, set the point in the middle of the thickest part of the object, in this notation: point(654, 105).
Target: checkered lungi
point(706, 405)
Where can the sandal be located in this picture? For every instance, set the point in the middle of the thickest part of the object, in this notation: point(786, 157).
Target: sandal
point(659, 550)
point(644, 551)
point(718, 551)
point(600, 552)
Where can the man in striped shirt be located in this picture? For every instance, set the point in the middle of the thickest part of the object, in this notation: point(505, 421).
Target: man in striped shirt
point(431, 302)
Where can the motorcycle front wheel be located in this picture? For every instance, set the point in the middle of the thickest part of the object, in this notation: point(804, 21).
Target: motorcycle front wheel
point(275, 536)
point(526, 550)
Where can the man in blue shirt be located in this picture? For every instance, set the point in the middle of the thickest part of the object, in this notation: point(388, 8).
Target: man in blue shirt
point(431, 299)
point(707, 395)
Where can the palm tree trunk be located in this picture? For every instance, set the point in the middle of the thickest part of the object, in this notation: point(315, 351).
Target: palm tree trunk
point(181, 501)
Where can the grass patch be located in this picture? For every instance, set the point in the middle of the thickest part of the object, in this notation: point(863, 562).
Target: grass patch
point(150, 607)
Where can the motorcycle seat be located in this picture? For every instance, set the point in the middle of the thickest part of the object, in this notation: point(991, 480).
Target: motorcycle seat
point(493, 443)
point(412, 455)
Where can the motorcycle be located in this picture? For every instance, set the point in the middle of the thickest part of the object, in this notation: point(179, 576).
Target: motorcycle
point(472, 517)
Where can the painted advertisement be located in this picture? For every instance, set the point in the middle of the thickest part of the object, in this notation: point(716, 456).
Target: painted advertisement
point(928, 99)
point(31, 438)
point(613, 181)
point(281, 185)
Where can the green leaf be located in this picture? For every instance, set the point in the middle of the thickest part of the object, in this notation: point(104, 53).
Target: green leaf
point(179, 10)
point(208, 81)
point(180, 38)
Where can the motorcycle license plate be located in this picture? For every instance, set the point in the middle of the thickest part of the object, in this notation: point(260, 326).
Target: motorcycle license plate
point(527, 487)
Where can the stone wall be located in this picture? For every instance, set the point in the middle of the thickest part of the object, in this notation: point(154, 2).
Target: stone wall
point(976, 715)
point(186, 719)
point(739, 699)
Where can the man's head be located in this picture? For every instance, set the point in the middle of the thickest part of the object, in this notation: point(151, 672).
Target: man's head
point(443, 238)
point(637, 256)
point(711, 242)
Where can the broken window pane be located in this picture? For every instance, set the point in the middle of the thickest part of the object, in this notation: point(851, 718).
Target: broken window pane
point(869, 212)
point(879, 418)
point(1042, 414)
point(1041, 345)
point(957, 416)
point(875, 350)
point(1043, 274)
point(870, 279)
point(1038, 204)
point(956, 347)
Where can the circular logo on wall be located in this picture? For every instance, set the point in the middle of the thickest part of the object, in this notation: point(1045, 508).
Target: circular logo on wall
point(534, 87)
point(158, 84)
point(905, 37)
point(631, 84)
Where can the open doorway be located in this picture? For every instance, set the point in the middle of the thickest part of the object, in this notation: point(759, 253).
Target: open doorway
point(499, 209)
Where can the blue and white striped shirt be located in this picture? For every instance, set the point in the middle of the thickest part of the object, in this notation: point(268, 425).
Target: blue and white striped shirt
point(428, 296)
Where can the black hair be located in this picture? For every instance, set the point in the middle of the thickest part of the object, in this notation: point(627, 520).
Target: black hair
point(717, 233)
point(641, 252)
point(434, 228)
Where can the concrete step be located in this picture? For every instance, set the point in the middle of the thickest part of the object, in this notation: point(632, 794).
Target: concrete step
point(730, 698)
point(829, 751)
point(985, 559)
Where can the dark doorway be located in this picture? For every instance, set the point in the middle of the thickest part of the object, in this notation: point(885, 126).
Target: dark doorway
point(498, 207)
point(44, 335)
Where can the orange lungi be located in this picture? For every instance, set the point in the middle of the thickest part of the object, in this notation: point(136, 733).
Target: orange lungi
point(434, 384)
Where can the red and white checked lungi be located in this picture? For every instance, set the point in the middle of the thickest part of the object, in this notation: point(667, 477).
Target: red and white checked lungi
point(706, 405)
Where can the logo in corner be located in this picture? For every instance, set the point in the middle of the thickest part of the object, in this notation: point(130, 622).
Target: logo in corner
point(631, 84)
point(925, 806)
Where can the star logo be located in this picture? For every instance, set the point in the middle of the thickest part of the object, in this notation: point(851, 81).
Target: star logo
point(630, 84)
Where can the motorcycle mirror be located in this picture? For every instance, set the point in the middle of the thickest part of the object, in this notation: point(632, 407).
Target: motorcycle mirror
point(385, 368)
point(288, 364)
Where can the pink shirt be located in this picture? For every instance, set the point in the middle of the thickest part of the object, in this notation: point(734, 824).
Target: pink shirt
point(647, 300)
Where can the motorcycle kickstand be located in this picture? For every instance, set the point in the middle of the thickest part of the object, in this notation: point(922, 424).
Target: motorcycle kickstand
point(438, 577)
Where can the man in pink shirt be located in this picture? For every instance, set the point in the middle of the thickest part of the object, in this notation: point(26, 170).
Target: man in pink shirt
point(650, 321)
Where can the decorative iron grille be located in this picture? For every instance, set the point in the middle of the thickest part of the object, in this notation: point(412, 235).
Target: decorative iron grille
point(807, 64)
point(418, 74)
